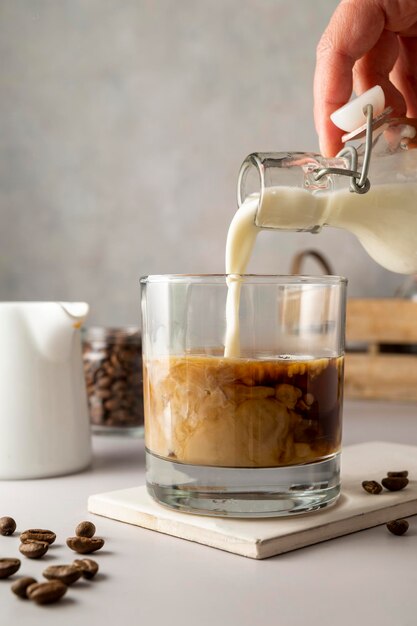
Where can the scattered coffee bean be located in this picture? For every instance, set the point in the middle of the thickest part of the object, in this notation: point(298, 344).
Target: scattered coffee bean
point(88, 567)
point(33, 549)
point(38, 534)
point(398, 526)
point(7, 526)
point(67, 574)
point(46, 593)
point(394, 483)
point(85, 545)
point(371, 486)
point(8, 567)
point(85, 529)
point(402, 474)
point(20, 586)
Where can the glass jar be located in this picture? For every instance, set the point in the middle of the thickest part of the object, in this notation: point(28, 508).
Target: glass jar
point(113, 372)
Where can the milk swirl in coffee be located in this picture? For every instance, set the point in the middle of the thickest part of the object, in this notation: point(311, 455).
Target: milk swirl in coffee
point(243, 412)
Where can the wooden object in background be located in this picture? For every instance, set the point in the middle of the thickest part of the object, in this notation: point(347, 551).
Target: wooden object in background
point(371, 373)
point(303, 255)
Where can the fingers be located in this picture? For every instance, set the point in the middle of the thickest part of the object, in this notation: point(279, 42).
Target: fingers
point(330, 94)
point(404, 74)
point(354, 29)
point(375, 67)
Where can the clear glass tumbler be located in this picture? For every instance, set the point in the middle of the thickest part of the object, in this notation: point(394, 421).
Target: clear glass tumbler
point(257, 435)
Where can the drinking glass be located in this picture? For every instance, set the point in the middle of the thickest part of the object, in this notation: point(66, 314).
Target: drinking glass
point(253, 435)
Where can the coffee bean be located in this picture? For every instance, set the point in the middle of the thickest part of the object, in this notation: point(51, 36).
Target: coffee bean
point(371, 486)
point(85, 529)
point(127, 356)
point(46, 593)
point(402, 474)
point(103, 394)
point(33, 549)
point(104, 382)
point(20, 586)
point(111, 405)
point(119, 385)
point(120, 417)
point(7, 526)
point(109, 369)
point(8, 567)
point(88, 567)
point(394, 483)
point(85, 545)
point(398, 526)
point(114, 359)
point(38, 534)
point(67, 574)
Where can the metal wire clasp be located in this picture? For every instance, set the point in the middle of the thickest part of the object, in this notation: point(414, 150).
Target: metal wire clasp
point(359, 181)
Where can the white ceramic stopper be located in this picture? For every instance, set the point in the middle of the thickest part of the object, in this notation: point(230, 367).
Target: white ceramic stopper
point(353, 114)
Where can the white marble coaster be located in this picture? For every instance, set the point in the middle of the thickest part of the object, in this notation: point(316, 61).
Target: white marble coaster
point(261, 538)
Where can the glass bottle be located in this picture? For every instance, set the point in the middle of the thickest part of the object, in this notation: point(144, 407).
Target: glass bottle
point(374, 198)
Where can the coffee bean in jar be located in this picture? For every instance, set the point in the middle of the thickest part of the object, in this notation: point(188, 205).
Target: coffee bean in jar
point(113, 372)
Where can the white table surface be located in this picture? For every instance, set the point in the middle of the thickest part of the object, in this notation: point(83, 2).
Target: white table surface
point(368, 578)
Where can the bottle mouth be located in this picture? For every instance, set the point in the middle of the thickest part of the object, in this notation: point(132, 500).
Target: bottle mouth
point(251, 179)
point(262, 170)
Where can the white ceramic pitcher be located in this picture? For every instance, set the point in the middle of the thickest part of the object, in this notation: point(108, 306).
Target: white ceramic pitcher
point(44, 423)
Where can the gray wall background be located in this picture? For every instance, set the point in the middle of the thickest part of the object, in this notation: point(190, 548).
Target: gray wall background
point(122, 128)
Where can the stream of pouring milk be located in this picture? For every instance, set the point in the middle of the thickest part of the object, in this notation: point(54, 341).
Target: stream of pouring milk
point(384, 220)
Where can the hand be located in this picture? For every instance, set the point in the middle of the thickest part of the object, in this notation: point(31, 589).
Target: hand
point(367, 43)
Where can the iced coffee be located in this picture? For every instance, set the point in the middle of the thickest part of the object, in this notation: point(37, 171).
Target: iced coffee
point(242, 412)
